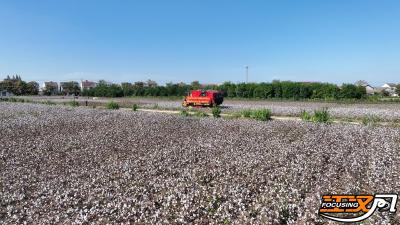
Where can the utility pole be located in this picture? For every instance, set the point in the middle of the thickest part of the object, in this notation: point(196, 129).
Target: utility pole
point(247, 74)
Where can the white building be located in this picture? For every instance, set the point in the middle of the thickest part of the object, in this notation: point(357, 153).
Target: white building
point(391, 89)
point(389, 85)
point(370, 90)
point(87, 85)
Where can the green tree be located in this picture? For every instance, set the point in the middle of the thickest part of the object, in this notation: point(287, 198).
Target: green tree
point(32, 88)
point(195, 85)
point(228, 89)
point(50, 90)
point(277, 89)
point(17, 86)
point(151, 83)
point(242, 90)
point(70, 88)
point(352, 91)
point(127, 89)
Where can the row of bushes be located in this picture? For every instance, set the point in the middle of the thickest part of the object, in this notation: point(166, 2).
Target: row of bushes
point(264, 90)
point(293, 90)
point(273, 90)
point(17, 86)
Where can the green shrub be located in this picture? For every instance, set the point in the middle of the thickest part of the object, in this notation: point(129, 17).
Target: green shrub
point(112, 105)
point(73, 103)
point(200, 114)
point(156, 106)
point(216, 112)
point(321, 116)
point(135, 107)
point(261, 114)
point(184, 113)
point(370, 120)
point(246, 113)
point(305, 116)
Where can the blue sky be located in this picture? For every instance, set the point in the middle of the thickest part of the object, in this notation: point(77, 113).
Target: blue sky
point(207, 40)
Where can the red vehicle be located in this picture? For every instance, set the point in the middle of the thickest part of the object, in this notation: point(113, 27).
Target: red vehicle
point(203, 98)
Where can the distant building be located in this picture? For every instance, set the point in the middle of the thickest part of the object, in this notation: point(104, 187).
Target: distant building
point(5, 93)
point(389, 85)
point(106, 83)
point(87, 85)
point(69, 88)
point(390, 88)
point(368, 88)
point(50, 84)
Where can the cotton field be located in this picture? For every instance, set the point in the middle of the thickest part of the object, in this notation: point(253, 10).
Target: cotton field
point(64, 165)
point(386, 112)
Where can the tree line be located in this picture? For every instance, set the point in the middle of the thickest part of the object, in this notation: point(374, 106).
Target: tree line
point(265, 90)
point(149, 88)
point(17, 86)
point(275, 89)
